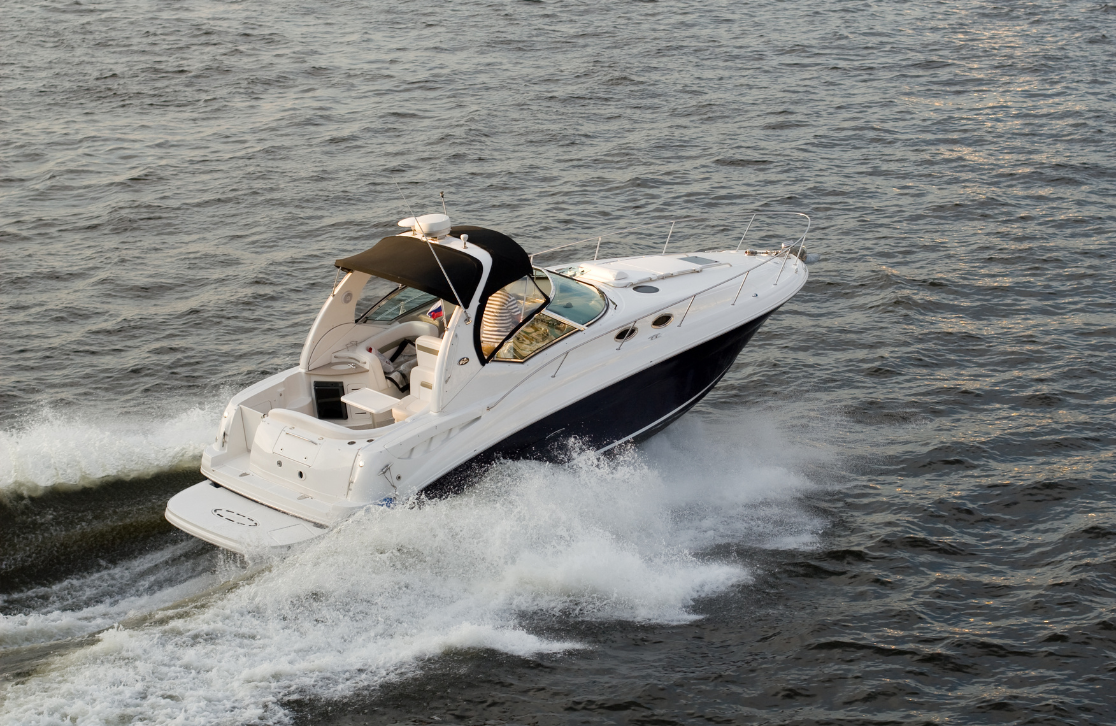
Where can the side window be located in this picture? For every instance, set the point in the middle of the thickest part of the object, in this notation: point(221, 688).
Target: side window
point(533, 337)
point(396, 304)
point(572, 306)
point(507, 308)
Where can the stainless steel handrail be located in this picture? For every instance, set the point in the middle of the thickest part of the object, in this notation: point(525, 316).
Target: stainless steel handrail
point(598, 238)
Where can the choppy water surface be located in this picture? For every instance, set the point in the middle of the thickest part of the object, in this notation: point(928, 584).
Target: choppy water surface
point(897, 508)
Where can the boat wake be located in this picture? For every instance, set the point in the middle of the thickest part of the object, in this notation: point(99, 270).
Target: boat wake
point(76, 451)
point(88, 603)
point(506, 566)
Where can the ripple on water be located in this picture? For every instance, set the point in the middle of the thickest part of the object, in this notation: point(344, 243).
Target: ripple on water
point(919, 442)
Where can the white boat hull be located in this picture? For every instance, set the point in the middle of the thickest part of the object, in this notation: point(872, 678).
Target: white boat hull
point(282, 475)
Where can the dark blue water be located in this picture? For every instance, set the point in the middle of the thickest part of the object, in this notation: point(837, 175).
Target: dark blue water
point(896, 508)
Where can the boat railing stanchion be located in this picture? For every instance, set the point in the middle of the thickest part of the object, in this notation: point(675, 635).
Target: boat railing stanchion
point(598, 250)
point(741, 242)
point(690, 304)
point(786, 256)
point(790, 247)
point(668, 236)
point(555, 373)
point(740, 288)
point(802, 243)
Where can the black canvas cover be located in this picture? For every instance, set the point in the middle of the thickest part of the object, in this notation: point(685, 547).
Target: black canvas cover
point(410, 261)
point(509, 261)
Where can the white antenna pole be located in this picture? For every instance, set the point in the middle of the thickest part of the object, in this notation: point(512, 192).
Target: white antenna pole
point(418, 231)
point(452, 288)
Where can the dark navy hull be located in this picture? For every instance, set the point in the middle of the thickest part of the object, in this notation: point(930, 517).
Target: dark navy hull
point(633, 409)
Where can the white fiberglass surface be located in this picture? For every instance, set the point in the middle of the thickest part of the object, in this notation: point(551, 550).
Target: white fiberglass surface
point(507, 567)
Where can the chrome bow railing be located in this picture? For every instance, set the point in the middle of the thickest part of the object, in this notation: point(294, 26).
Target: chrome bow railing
point(671, 227)
point(784, 253)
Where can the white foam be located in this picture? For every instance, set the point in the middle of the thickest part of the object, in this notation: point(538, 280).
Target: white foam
point(79, 450)
point(592, 539)
point(90, 602)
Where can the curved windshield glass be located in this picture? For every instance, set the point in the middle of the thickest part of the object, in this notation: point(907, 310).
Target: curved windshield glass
point(575, 301)
point(397, 303)
point(573, 305)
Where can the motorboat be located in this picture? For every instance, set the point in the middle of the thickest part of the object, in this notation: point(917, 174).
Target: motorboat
point(442, 349)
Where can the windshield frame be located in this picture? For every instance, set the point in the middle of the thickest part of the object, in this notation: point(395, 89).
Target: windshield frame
point(554, 287)
point(362, 319)
point(546, 310)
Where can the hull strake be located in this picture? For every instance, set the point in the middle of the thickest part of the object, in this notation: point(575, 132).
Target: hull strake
point(633, 409)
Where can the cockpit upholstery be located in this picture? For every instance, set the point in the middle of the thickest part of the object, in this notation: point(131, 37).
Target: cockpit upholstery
point(386, 341)
point(422, 379)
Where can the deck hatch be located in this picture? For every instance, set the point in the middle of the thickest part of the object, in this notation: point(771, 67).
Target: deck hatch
point(297, 448)
point(694, 259)
point(327, 398)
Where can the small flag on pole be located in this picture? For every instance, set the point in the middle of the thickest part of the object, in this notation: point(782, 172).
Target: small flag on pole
point(437, 311)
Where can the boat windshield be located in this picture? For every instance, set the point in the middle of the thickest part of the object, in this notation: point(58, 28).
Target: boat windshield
point(506, 309)
point(400, 302)
point(573, 306)
point(573, 300)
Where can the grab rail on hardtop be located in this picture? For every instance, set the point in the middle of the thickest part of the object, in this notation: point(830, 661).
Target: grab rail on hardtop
point(785, 252)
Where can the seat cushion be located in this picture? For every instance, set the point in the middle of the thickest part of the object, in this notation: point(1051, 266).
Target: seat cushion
point(408, 406)
point(428, 349)
point(422, 383)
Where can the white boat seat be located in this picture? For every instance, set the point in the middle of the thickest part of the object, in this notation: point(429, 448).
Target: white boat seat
point(429, 347)
point(422, 380)
point(408, 406)
point(422, 383)
point(387, 340)
point(376, 379)
point(308, 423)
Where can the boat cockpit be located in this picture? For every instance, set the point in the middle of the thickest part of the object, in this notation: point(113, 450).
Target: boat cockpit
point(380, 346)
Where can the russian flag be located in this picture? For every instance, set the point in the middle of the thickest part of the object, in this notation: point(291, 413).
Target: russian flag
point(437, 311)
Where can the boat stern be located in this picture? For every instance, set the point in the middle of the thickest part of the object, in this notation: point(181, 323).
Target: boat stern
point(224, 518)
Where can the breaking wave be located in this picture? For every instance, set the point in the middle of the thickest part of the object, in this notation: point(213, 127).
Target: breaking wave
point(75, 451)
point(504, 567)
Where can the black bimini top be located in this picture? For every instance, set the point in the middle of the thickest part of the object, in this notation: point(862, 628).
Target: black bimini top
point(410, 261)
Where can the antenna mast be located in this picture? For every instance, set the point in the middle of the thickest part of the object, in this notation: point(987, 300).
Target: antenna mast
point(418, 230)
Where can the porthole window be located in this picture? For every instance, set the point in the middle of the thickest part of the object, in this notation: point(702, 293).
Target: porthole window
point(662, 321)
point(626, 333)
point(645, 288)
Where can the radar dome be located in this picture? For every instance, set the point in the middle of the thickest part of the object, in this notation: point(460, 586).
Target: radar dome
point(428, 225)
